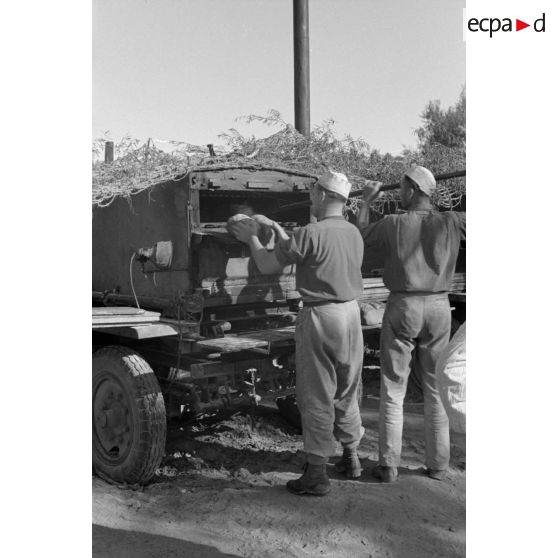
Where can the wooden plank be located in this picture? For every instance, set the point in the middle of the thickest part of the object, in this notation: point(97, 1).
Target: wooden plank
point(104, 321)
point(119, 311)
point(113, 316)
point(143, 331)
point(230, 344)
point(273, 335)
point(275, 338)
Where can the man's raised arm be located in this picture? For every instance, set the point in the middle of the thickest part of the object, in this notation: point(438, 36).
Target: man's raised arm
point(370, 192)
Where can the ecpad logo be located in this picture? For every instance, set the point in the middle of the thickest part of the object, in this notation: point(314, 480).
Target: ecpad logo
point(494, 24)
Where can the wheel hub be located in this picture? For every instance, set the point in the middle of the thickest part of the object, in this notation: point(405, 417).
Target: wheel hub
point(112, 420)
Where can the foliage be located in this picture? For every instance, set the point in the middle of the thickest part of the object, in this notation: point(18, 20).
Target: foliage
point(141, 166)
point(442, 147)
point(443, 127)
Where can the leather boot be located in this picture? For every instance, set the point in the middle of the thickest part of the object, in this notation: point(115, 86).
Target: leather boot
point(313, 482)
point(436, 474)
point(349, 464)
point(385, 473)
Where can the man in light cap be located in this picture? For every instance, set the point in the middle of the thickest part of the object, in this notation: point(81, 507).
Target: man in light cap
point(329, 345)
point(419, 248)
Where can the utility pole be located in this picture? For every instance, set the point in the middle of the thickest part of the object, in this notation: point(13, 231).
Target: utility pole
point(301, 66)
point(109, 151)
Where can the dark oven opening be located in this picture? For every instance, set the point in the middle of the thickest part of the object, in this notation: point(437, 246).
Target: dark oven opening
point(217, 207)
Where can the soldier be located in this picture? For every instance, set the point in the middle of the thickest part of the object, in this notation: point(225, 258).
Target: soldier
point(420, 249)
point(329, 344)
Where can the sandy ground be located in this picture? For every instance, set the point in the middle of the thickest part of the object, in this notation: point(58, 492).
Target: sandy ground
point(220, 492)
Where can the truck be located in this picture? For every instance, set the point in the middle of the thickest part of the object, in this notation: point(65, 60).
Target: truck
point(182, 319)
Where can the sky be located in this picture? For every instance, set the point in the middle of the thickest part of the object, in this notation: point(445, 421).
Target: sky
point(187, 69)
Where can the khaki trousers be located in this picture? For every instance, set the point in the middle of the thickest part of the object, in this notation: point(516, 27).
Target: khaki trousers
point(420, 323)
point(329, 352)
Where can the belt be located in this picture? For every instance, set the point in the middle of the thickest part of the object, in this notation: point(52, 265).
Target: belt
point(313, 303)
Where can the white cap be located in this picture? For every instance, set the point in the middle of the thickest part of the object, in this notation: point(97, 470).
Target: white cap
point(423, 178)
point(335, 182)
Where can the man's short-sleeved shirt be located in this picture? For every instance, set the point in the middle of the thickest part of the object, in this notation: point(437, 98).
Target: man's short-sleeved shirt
point(328, 257)
point(420, 248)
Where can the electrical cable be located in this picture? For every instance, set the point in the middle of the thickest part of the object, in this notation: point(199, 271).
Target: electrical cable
point(132, 281)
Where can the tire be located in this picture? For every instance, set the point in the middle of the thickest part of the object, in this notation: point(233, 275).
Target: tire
point(129, 420)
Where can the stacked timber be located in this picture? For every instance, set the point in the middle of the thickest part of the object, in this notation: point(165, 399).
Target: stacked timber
point(376, 291)
point(122, 316)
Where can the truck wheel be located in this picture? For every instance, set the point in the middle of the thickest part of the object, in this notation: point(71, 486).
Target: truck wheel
point(129, 422)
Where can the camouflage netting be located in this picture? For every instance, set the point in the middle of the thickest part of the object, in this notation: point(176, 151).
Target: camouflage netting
point(138, 167)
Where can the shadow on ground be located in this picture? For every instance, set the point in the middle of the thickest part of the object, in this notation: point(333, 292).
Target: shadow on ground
point(261, 441)
point(118, 543)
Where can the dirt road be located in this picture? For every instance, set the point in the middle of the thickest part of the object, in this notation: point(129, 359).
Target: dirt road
point(220, 492)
